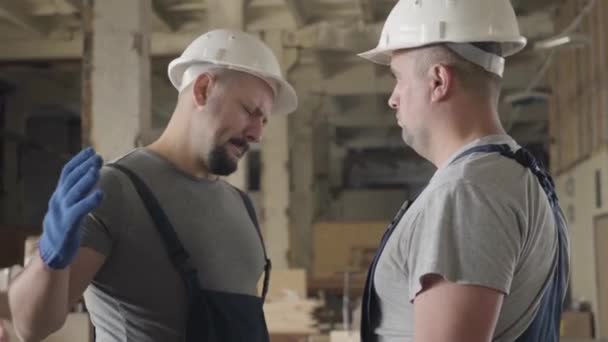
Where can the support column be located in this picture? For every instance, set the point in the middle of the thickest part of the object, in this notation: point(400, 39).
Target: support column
point(303, 166)
point(116, 74)
point(275, 172)
point(302, 195)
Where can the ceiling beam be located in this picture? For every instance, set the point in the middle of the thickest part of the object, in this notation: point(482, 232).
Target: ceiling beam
point(356, 38)
point(162, 44)
point(187, 7)
point(14, 12)
point(165, 15)
point(266, 3)
point(270, 18)
point(356, 79)
point(332, 37)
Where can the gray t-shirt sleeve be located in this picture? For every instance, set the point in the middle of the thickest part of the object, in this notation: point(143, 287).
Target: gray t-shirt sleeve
point(104, 226)
point(465, 234)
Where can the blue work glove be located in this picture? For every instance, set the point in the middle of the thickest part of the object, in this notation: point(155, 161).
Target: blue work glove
point(72, 200)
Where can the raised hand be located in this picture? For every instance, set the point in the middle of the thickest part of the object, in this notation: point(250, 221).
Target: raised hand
point(73, 199)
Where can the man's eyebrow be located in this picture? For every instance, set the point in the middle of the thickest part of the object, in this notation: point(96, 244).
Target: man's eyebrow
point(255, 109)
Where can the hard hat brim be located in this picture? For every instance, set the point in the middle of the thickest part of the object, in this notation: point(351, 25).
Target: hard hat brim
point(383, 55)
point(285, 101)
point(378, 56)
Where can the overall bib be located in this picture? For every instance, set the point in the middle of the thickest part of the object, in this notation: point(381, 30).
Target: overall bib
point(213, 316)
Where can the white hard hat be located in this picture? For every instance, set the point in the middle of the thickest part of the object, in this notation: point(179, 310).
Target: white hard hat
point(456, 23)
point(240, 51)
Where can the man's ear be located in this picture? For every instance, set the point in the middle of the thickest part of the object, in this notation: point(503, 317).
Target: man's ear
point(441, 82)
point(202, 87)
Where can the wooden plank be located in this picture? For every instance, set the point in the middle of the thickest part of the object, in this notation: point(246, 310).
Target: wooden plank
point(600, 45)
point(575, 96)
point(292, 316)
point(560, 108)
point(603, 6)
point(553, 124)
point(289, 337)
point(595, 79)
point(569, 106)
point(344, 336)
point(334, 285)
point(578, 100)
point(558, 86)
point(573, 127)
point(591, 88)
point(87, 72)
point(291, 282)
point(585, 86)
point(563, 87)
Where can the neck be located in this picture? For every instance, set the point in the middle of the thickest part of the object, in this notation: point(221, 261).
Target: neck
point(461, 128)
point(174, 147)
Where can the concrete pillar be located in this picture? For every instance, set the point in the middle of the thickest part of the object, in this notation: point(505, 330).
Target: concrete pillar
point(303, 166)
point(116, 74)
point(302, 195)
point(275, 172)
point(321, 141)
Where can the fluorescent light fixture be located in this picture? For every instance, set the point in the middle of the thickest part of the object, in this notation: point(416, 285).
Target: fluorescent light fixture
point(573, 40)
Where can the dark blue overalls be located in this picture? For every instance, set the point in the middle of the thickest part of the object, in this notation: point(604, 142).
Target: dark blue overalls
point(545, 327)
point(212, 316)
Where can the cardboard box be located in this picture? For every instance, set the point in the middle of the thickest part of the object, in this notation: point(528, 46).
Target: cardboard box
point(345, 246)
point(577, 324)
point(286, 283)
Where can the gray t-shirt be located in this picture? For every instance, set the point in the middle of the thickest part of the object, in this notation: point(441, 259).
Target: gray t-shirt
point(482, 220)
point(138, 295)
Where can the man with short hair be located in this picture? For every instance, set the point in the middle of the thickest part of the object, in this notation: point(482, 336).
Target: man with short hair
point(170, 252)
point(482, 252)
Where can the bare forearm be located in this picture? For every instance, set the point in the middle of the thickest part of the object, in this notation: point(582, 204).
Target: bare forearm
point(5, 312)
point(38, 300)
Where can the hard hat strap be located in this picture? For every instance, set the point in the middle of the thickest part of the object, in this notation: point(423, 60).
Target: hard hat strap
point(489, 61)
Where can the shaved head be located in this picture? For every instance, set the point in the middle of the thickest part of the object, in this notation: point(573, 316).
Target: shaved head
point(471, 76)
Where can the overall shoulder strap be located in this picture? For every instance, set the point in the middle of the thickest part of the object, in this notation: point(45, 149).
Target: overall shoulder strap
point(254, 219)
point(177, 253)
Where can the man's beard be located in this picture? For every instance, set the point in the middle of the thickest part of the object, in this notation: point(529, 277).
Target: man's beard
point(220, 162)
